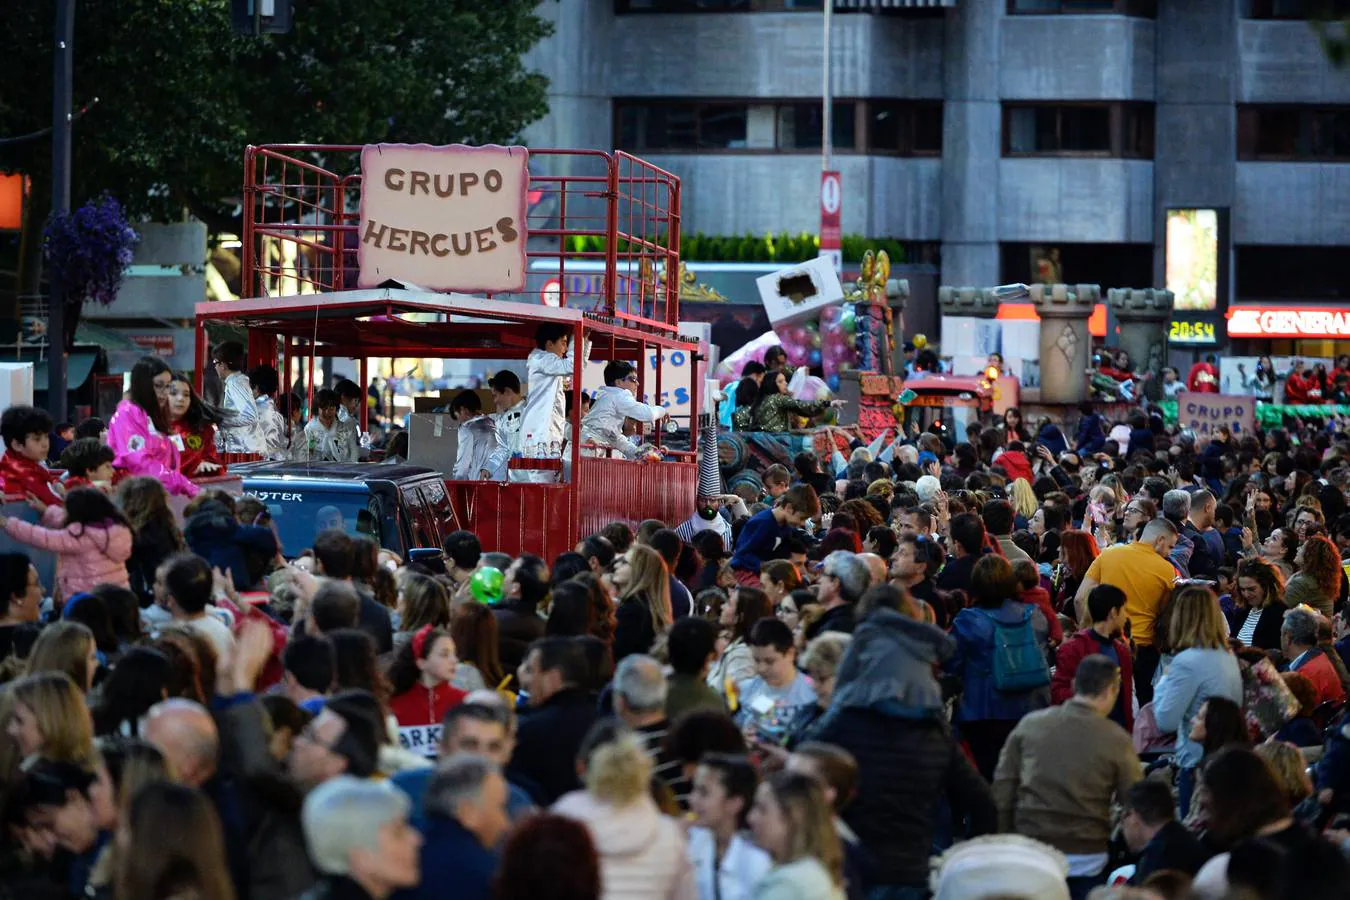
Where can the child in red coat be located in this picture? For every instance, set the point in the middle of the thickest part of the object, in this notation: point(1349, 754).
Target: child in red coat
point(421, 676)
point(1029, 579)
point(27, 433)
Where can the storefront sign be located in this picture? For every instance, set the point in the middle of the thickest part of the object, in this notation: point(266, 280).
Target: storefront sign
point(1256, 321)
point(1206, 413)
point(443, 218)
point(155, 344)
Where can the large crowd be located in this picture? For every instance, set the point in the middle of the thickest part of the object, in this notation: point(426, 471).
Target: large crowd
point(1034, 663)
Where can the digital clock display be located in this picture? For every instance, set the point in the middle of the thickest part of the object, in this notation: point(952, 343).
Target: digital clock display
point(1193, 333)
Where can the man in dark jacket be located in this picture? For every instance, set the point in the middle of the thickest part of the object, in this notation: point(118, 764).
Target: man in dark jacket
point(843, 579)
point(1152, 830)
point(466, 818)
point(242, 551)
point(561, 712)
point(887, 712)
point(333, 554)
point(518, 624)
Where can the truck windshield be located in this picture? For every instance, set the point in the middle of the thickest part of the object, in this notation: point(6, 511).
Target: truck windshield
point(300, 514)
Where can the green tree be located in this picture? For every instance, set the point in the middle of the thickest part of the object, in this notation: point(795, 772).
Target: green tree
point(180, 95)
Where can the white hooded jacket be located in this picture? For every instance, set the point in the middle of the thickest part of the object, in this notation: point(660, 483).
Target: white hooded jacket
point(478, 449)
point(603, 425)
point(642, 853)
point(543, 422)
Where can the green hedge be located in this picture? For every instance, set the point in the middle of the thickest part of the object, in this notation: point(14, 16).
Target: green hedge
point(770, 248)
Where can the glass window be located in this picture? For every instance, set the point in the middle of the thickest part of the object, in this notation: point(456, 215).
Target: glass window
point(799, 126)
point(904, 127)
point(1143, 8)
point(1107, 129)
point(723, 127)
point(300, 513)
point(1294, 133)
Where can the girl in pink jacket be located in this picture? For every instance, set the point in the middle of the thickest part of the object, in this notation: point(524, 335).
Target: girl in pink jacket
point(91, 548)
point(139, 431)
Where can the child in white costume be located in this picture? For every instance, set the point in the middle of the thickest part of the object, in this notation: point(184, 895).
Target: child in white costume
point(613, 403)
point(543, 422)
point(478, 440)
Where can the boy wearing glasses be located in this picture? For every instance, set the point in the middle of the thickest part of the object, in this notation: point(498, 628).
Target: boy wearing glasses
point(614, 403)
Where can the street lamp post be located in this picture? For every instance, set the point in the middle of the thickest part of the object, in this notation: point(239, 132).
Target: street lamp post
point(826, 94)
point(62, 74)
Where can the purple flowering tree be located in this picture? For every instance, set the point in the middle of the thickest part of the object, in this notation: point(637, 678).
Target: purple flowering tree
point(89, 249)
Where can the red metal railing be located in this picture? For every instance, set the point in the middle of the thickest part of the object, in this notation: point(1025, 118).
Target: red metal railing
point(301, 219)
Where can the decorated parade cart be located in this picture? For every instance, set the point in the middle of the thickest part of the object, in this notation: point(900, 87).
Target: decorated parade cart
point(418, 252)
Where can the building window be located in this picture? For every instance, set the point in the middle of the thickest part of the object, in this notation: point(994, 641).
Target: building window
point(1296, 9)
point(1292, 273)
point(800, 126)
point(681, 126)
point(903, 128)
point(1294, 133)
point(884, 127)
point(1122, 130)
point(1114, 265)
point(696, 6)
point(1147, 9)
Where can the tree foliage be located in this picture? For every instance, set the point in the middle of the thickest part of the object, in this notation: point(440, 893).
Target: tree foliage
point(180, 94)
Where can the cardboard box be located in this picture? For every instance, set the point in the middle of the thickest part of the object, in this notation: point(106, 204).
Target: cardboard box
point(799, 291)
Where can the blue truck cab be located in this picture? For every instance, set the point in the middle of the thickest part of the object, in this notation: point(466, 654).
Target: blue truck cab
point(403, 508)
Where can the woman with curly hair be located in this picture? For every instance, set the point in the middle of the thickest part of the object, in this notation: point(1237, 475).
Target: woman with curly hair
point(1318, 581)
point(864, 515)
point(1260, 606)
point(1281, 548)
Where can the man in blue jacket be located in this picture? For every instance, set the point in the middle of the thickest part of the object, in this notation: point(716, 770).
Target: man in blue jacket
point(466, 818)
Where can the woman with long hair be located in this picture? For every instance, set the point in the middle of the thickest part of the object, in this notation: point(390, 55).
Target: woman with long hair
point(474, 630)
point(422, 601)
point(193, 426)
point(775, 407)
point(172, 847)
point(989, 709)
point(92, 545)
point(602, 606)
point(642, 853)
point(569, 611)
point(644, 603)
point(1259, 613)
point(792, 822)
point(1318, 580)
point(66, 647)
point(735, 664)
point(1012, 428)
point(1281, 549)
point(138, 681)
point(1023, 499)
point(1077, 550)
point(1202, 667)
point(157, 535)
point(49, 716)
point(139, 432)
point(356, 664)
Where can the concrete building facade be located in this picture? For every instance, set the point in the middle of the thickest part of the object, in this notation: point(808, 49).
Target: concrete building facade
point(987, 133)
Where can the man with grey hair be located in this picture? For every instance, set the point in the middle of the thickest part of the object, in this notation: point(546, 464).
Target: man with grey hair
point(466, 817)
point(1299, 642)
point(640, 703)
point(1176, 508)
point(844, 578)
point(359, 839)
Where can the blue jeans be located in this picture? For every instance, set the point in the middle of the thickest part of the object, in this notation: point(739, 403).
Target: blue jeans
point(1185, 790)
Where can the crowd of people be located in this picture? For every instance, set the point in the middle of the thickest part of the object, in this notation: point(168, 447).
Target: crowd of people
point(1007, 667)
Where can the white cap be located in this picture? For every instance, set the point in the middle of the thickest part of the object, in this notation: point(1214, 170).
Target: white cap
point(1003, 866)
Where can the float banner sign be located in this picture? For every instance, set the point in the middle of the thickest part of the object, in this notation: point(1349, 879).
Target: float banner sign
point(443, 218)
point(1205, 413)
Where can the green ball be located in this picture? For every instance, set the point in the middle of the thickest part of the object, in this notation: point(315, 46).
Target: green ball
point(486, 585)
